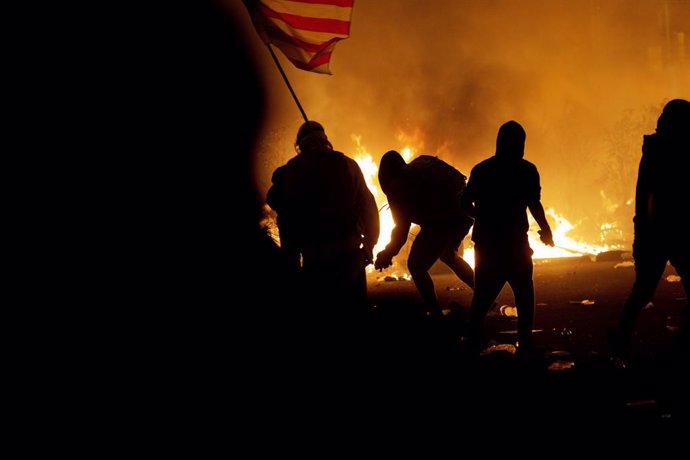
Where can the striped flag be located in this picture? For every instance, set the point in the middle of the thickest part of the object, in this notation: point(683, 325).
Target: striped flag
point(306, 31)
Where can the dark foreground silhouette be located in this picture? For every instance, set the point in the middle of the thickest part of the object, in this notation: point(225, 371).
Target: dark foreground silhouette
point(213, 345)
point(662, 233)
point(328, 223)
point(427, 192)
point(499, 192)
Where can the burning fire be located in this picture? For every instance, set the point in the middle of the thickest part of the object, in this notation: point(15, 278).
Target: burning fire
point(370, 171)
point(566, 246)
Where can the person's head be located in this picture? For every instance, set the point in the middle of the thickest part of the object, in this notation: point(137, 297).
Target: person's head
point(675, 119)
point(311, 136)
point(510, 142)
point(392, 164)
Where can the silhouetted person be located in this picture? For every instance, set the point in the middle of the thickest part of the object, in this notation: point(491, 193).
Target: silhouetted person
point(499, 191)
point(427, 192)
point(327, 217)
point(662, 233)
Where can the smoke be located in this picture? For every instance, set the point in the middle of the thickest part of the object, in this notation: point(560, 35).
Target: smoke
point(586, 79)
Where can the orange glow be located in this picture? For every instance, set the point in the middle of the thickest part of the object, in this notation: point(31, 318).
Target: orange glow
point(586, 79)
point(370, 171)
point(567, 245)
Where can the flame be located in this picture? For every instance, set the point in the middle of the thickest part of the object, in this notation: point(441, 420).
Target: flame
point(407, 154)
point(566, 245)
point(468, 255)
point(370, 171)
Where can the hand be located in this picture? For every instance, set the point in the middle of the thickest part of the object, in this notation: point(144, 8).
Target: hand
point(546, 237)
point(383, 260)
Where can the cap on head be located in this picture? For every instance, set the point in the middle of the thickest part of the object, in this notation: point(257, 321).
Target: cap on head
point(510, 142)
point(307, 128)
point(675, 118)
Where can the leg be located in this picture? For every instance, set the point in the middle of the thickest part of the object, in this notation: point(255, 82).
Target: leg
point(459, 266)
point(648, 272)
point(355, 285)
point(488, 283)
point(649, 268)
point(680, 377)
point(681, 262)
point(683, 340)
point(450, 254)
point(426, 249)
point(523, 289)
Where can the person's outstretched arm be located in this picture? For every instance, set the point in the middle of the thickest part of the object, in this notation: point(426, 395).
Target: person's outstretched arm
point(536, 208)
point(399, 233)
point(537, 211)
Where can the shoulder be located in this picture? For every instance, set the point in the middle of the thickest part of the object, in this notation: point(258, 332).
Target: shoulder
point(349, 163)
point(292, 162)
point(278, 174)
point(528, 166)
point(483, 165)
point(651, 143)
point(340, 156)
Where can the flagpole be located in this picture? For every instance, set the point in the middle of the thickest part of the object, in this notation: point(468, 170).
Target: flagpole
point(287, 82)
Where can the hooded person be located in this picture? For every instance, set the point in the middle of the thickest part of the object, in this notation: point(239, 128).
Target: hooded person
point(427, 192)
point(661, 225)
point(498, 194)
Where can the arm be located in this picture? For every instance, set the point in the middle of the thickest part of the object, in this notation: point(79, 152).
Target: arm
point(537, 211)
point(643, 195)
point(398, 238)
point(398, 234)
point(368, 216)
point(275, 198)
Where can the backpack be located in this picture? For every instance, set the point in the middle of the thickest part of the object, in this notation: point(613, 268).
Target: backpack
point(450, 178)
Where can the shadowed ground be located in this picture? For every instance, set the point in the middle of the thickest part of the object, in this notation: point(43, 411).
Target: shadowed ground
point(577, 300)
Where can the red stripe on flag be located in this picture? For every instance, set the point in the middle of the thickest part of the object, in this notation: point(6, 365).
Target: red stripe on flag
point(334, 26)
point(343, 3)
point(292, 34)
point(276, 34)
point(314, 63)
